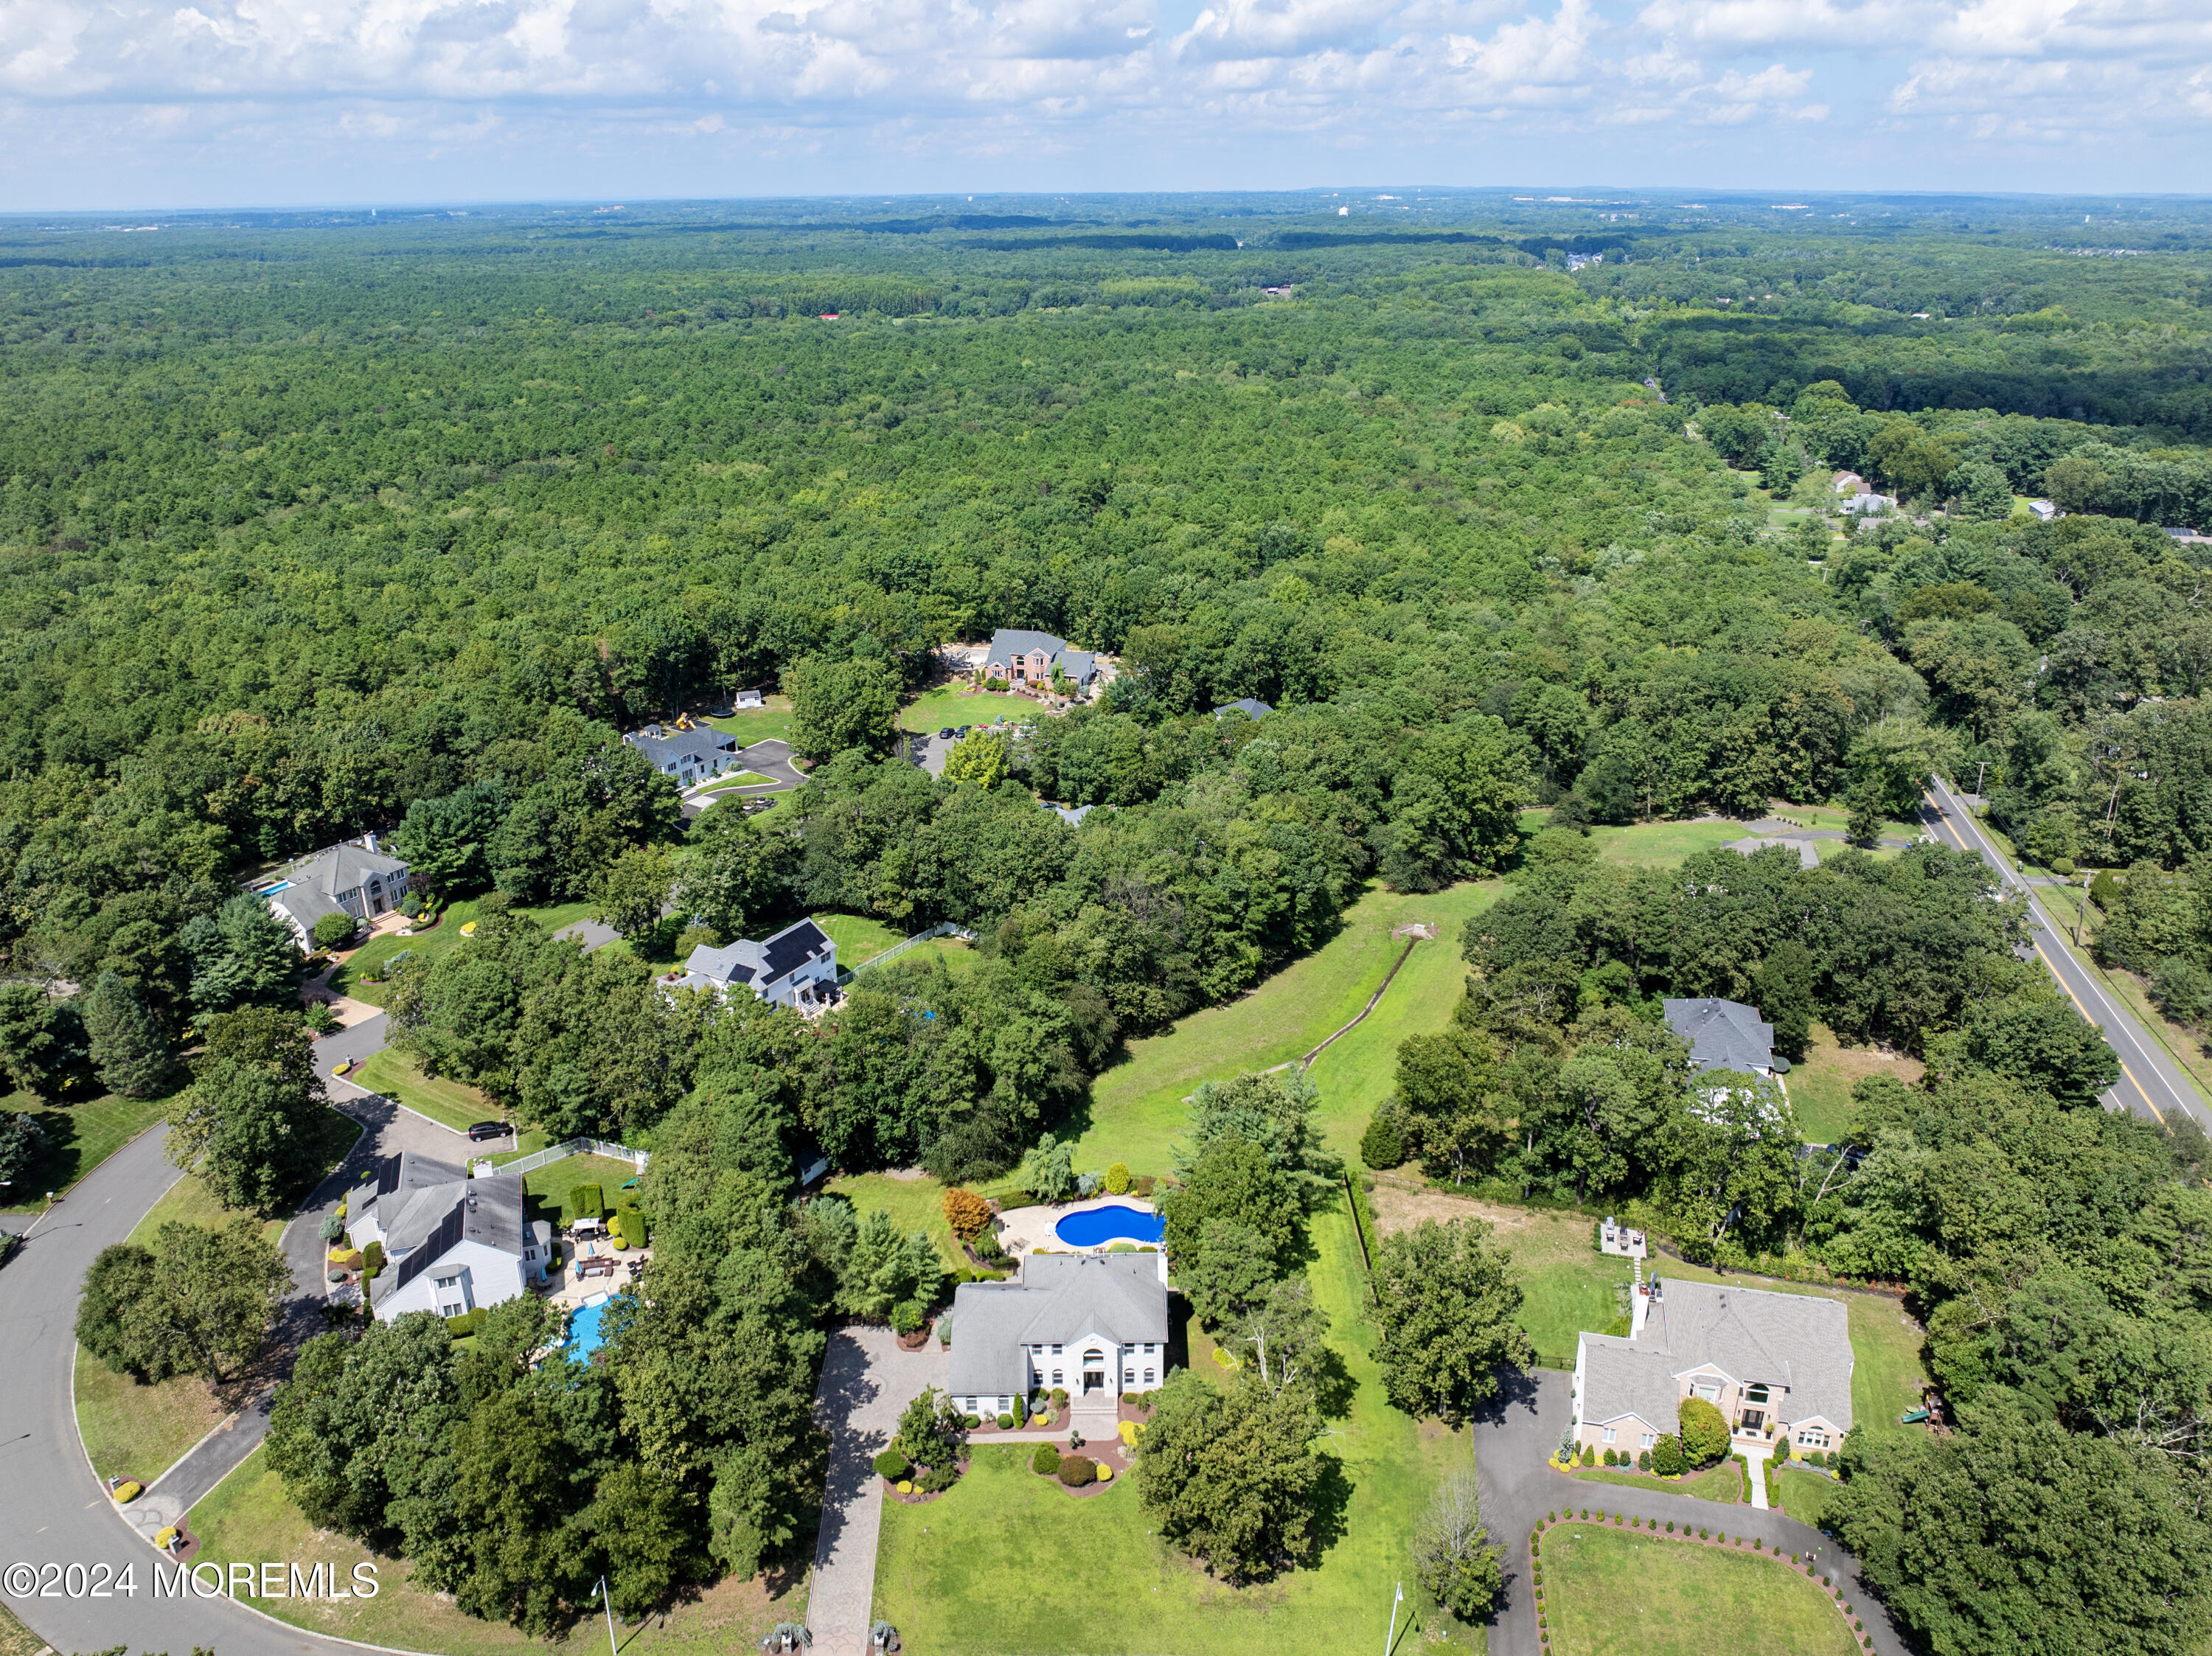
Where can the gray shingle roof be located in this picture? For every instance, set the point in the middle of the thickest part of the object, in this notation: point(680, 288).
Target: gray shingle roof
point(1807, 857)
point(1249, 706)
point(1010, 641)
point(436, 1218)
point(315, 882)
point(770, 962)
point(1799, 1342)
point(1059, 1298)
point(671, 747)
point(1723, 1035)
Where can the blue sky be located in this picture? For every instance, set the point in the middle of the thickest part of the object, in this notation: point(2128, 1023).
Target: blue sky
point(121, 103)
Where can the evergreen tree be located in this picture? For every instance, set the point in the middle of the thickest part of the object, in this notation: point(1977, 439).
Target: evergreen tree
point(129, 1049)
point(1446, 1305)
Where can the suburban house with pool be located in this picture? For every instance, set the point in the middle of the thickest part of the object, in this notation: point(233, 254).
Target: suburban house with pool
point(1095, 1324)
point(357, 878)
point(1777, 1365)
point(690, 756)
point(796, 967)
point(451, 1243)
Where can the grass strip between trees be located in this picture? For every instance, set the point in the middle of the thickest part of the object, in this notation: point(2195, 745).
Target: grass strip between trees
point(1615, 1591)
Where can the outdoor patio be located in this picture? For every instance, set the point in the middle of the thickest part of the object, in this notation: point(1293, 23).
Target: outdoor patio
point(1025, 1230)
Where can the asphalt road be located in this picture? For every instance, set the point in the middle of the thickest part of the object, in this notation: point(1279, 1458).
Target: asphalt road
point(54, 1510)
point(2151, 1083)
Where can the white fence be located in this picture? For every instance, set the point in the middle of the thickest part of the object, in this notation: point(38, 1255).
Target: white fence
point(944, 929)
point(547, 1157)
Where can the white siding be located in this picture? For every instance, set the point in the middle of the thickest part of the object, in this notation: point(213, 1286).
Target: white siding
point(493, 1278)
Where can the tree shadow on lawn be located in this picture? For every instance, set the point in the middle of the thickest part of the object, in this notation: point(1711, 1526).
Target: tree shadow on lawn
point(1334, 1387)
point(1332, 1504)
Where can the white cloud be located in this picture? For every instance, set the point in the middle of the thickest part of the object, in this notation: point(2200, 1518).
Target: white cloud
point(1405, 80)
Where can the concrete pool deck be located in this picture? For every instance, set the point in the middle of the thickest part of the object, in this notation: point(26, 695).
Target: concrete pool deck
point(1025, 1230)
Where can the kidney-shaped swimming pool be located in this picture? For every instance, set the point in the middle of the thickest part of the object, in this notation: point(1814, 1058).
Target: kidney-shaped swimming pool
point(1094, 1226)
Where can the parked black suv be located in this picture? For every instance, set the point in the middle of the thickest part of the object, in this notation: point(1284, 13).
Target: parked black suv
point(484, 1130)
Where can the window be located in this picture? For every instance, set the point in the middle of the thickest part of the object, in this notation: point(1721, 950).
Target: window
point(1128, 1376)
point(1812, 1438)
point(1608, 1434)
point(1755, 1394)
point(1148, 1377)
point(1709, 1389)
point(1056, 1378)
point(1649, 1438)
point(1055, 1351)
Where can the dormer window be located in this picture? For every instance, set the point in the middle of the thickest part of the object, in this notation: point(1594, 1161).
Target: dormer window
point(1755, 1394)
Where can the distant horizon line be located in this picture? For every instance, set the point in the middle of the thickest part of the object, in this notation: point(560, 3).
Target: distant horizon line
point(1619, 196)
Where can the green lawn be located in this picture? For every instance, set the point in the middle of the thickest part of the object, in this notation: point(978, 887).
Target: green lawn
point(348, 978)
point(1805, 1495)
point(740, 779)
point(136, 1430)
point(956, 705)
point(1624, 1592)
point(553, 1182)
point(1006, 1563)
point(771, 722)
point(860, 937)
point(1569, 1287)
point(131, 1431)
point(1820, 1087)
point(78, 1138)
point(913, 1203)
point(1664, 842)
point(16, 1639)
point(398, 1077)
point(1137, 1107)
point(1723, 1483)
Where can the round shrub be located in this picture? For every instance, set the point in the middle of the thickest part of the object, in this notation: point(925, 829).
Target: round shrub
point(1046, 1461)
point(893, 1465)
point(1105, 1473)
point(1077, 1470)
point(1060, 1396)
point(906, 1486)
point(1117, 1179)
point(1006, 1423)
point(1703, 1535)
point(908, 1316)
point(971, 1422)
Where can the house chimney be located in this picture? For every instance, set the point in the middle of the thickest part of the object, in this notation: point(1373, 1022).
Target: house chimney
point(1640, 1304)
point(368, 841)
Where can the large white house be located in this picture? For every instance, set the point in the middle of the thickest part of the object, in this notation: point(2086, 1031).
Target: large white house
point(1775, 1365)
point(690, 756)
point(1094, 1324)
point(451, 1243)
point(797, 968)
point(357, 878)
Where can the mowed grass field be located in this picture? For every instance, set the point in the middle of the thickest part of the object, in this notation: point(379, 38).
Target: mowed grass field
point(135, 1430)
point(768, 723)
point(77, 1138)
point(1820, 1087)
point(1007, 1565)
point(1570, 1287)
point(913, 1203)
point(1137, 1108)
point(450, 1103)
point(247, 1517)
point(956, 705)
point(1627, 1593)
point(350, 979)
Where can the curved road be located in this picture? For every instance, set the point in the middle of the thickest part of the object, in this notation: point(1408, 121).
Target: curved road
point(56, 1510)
point(2151, 1082)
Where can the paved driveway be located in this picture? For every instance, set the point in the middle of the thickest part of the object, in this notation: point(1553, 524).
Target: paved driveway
point(866, 1381)
point(1513, 1442)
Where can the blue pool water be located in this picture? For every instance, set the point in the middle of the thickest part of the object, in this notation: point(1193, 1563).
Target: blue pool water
point(1114, 1225)
point(584, 1330)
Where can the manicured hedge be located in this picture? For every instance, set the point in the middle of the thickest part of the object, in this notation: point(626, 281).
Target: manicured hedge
point(1046, 1461)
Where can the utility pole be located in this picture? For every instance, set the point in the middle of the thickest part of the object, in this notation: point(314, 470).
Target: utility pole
point(1391, 1638)
point(1978, 775)
point(2082, 913)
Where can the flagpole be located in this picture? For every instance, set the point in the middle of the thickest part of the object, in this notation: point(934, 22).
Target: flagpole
point(1391, 1638)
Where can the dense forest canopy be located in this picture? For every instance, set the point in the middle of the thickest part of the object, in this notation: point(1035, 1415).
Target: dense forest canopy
point(313, 525)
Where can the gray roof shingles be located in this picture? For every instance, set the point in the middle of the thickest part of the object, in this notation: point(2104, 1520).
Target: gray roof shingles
point(1723, 1035)
point(1059, 1298)
point(1798, 1341)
